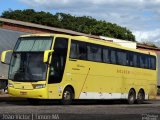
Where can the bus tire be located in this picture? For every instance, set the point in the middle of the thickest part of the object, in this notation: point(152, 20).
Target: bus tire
point(140, 97)
point(67, 96)
point(33, 101)
point(131, 96)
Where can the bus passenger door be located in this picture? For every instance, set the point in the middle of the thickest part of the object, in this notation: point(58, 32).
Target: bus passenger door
point(57, 67)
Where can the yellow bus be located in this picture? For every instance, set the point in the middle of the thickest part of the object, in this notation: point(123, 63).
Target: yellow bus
point(65, 67)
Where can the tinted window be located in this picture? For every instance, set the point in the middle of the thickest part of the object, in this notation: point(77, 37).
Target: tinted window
point(121, 57)
point(58, 60)
point(73, 50)
point(135, 60)
point(113, 56)
point(152, 63)
point(94, 52)
point(81, 51)
point(106, 55)
point(146, 62)
point(142, 61)
point(78, 50)
point(130, 58)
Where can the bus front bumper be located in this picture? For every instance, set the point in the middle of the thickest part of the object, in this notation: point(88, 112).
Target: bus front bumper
point(34, 93)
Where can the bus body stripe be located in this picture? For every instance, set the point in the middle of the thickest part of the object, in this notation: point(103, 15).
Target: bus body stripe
point(99, 95)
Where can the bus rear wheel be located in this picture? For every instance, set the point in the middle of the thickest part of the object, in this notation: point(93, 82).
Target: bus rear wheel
point(140, 97)
point(67, 96)
point(131, 97)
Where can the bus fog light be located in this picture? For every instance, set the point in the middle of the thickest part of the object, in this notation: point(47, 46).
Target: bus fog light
point(10, 85)
point(39, 86)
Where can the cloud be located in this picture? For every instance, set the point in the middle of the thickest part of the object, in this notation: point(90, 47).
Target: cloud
point(142, 17)
point(148, 35)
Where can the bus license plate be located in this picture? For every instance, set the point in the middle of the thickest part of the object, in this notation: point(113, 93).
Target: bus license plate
point(23, 93)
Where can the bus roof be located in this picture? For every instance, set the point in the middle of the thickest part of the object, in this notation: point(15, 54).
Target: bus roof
point(91, 40)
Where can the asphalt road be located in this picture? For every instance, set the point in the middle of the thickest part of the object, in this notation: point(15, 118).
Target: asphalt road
point(20, 109)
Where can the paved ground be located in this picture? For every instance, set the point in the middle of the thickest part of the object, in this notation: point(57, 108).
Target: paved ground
point(15, 108)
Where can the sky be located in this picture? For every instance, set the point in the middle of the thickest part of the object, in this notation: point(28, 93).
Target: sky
point(142, 17)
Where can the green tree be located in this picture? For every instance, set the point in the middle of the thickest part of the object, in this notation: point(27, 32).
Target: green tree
point(84, 24)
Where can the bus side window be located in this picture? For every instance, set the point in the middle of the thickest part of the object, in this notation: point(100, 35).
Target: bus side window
point(78, 50)
point(152, 63)
point(94, 53)
point(81, 51)
point(73, 50)
point(106, 57)
point(135, 61)
point(130, 58)
point(141, 61)
point(113, 56)
point(146, 62)
point(121, 57)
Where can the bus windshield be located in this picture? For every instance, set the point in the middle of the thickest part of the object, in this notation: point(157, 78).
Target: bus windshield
point(27, 67)
point(27, 59)
point(33, 44)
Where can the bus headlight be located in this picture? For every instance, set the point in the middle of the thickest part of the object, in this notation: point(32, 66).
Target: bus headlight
point(37, 86)
point(10, 85)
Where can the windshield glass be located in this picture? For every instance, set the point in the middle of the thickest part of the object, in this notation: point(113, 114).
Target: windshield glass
point(27, 59)
point(33, 44)
point(27, 67)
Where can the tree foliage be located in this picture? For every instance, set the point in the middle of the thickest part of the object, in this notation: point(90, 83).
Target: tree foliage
point(84, 24)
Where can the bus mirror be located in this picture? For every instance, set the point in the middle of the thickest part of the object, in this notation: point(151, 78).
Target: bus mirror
point(4, 56)
point(46, 55)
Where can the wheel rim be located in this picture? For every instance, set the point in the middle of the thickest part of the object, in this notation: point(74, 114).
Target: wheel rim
point(140, 96)
point(131, 97)
point(67, 95)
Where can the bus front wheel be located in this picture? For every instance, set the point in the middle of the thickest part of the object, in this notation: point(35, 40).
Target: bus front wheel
point(131, 96)
point(67, 96)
